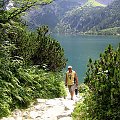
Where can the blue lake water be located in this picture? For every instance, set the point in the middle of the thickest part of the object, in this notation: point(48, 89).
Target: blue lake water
point(79, 48)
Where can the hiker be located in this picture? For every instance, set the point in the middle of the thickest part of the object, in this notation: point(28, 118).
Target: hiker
point(69, 81)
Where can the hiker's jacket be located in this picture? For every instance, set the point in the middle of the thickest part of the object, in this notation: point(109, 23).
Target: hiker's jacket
point(70, 77)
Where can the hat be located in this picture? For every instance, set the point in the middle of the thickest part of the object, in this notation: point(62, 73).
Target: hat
point(69, 66)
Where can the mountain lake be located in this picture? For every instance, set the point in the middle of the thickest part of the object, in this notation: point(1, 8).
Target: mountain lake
point(79, 48)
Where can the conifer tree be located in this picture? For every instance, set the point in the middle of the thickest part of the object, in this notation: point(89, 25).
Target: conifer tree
point(49, 52)
point(103, 79)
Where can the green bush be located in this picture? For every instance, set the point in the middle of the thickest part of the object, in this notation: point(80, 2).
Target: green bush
point(102, 77)
point(48, 53)
point(20, 84)
point(83, 109)
point(83, 88)
point(24, 86)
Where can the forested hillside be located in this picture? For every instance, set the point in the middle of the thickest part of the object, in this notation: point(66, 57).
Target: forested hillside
point(86, 16)
point(80, 19)
point(110, 18)
point(50, 14)
point(89, 17)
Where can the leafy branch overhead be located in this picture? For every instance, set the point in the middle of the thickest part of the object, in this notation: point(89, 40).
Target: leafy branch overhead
point(19, 6)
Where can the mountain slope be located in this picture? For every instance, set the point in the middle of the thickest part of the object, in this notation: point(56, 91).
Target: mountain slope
point(50, 14)
point(80, 19)
point(111, 16)
point(83, 16)
point(90, 18)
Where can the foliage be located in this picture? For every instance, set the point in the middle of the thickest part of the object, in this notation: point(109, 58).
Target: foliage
point(36, 48)
point(19, 7)
point(83, 109)
point(20, 85)
point(49, 53)
point(102, 77)
point(82, 88)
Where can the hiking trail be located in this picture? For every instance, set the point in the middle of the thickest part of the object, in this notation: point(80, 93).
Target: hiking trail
point(47, 109)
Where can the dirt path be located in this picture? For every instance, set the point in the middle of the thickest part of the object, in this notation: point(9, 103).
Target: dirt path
point(47, 109)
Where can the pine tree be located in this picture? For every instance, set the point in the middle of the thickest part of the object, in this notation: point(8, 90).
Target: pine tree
point(103, 80)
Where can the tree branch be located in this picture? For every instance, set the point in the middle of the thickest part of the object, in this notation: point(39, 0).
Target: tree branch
point(22, 9)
